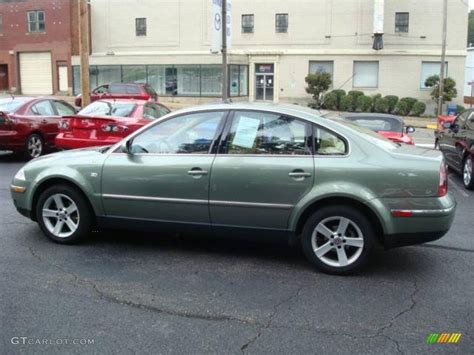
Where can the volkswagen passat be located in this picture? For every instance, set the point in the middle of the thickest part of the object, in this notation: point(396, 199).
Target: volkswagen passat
point(254, 170)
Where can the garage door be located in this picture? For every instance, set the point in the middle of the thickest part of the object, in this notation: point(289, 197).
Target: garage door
point(36, 74)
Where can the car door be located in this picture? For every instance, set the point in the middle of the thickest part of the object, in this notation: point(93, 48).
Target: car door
point(449, 144)
point(100, 92)
point(47, 119)
point(264, 167)
point(164, 179)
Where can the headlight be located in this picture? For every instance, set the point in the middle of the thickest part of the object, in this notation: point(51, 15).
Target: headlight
point(20, 175)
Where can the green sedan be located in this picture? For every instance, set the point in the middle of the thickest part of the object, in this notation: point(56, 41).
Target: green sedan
point(335, 188)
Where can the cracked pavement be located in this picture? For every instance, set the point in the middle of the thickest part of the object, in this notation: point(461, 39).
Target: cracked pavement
point(145, 293)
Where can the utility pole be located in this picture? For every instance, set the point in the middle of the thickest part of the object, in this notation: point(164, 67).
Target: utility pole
point(84, 50)
point(224, 50)
point(443, 58)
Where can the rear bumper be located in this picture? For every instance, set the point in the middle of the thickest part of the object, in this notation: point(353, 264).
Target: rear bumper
point(74, 143)
point(402, 240)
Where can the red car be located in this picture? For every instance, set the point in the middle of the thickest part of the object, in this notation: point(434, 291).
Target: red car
point(29, 125)
point(105, 122)
point(121, 91)
point(389, 126)
point(442, 119)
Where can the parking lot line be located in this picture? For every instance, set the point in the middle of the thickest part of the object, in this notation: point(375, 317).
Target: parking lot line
point(458, 188)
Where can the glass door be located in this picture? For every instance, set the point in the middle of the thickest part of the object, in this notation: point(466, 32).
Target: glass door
point(264, 82)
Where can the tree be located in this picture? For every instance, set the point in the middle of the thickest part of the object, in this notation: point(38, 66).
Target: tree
point(470, 33)
point(318, 84)
point(450, 91)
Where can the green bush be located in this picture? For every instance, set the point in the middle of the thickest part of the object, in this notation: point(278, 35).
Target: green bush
point(347, 103)
point(410, 101)
point(374, 100)
point(355, 94)
point(364, 103)
point(381, 105)
point(318, 84)
point(460, 109)
point(330, 101)
point(340, 94)
point(450, 91)
point(418, 109)
point(401, 108)
point(392, 101)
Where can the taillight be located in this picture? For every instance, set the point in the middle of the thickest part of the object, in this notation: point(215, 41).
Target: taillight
point(63, 124)
point(114, 128)
point(443, 180)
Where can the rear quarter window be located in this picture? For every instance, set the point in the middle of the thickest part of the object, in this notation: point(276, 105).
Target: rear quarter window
point(118, 89)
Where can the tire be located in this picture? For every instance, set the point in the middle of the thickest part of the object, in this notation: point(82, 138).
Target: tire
point(75, 215)
point(321, 230)
point(34, 146)
point(468, 173)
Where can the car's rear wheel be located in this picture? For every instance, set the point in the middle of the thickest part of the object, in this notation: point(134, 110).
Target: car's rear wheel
point(468, 173)
point(64, 215)
point(34, 146)
point(338, 239)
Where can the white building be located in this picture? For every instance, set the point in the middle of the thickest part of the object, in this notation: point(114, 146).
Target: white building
point(275, 44)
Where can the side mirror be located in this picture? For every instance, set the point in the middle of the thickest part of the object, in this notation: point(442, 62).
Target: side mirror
point(447, 125)
point(126, 146)
point(410, 129)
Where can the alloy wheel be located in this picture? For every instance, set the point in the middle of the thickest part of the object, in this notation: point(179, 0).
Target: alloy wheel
point(35, 146)
point(60, 215)
point(337, 241)
point(467, 171)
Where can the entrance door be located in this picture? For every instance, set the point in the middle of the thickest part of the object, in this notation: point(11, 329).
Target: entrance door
point(264, 82)
point(3, 77)
point(62, 76)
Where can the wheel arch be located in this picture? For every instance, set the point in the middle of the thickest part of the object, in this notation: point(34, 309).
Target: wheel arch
point(374, 219)
point(46, 184)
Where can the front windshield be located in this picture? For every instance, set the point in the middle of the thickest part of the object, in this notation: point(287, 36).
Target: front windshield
point(377, 124)
point(11, 104)
point(105, 108)
point(366, 133)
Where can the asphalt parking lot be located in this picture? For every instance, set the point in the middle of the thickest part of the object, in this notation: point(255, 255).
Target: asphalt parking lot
point(129, 292)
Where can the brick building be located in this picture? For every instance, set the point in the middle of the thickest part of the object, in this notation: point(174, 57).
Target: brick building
point(36, 39)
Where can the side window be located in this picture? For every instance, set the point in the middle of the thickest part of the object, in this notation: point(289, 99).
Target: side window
point(461, 119)
point(470, 121)
point(43, 108)
point(118, 89)
point(64, 109)
point(133, 89)
point(101, 89)
point(328, 143)
point(152, 111)
point(163, 110)
point(188, 134)
point(267, 133)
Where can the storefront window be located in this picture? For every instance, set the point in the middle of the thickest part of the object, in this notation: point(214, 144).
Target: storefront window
point(211, 80)
point(244, 91)
point(189, 80)
point(156, 78)
point(107, 74)
point(134, 74)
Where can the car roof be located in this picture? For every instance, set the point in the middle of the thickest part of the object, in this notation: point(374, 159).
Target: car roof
point(133, 101)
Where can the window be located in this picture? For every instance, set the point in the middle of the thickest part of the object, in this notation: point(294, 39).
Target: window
point(266, 133)
point(101, 89)
point(247, 23)
point(327, 143)
point(43, 108)
point(134, 74)
point(402, 21)
point(431, 68)
point(321, 67)
point(188, 134)
point(140, 26)
point(1, 23)
point(211, 80)
point(63, 108)
point(281, 23)
point(105, 108)
point(470, 121)
point(154, 111)
point(189, 80)
point(366, 74)
point(118, 89)
point(35, 21)
point(132, 89)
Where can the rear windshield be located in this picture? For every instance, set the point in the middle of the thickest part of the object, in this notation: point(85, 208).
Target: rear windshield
point(105, 108)
point(378, 123)
point(10, 105)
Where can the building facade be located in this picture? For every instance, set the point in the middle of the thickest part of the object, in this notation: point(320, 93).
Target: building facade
point(275, 44)
point(36, 46)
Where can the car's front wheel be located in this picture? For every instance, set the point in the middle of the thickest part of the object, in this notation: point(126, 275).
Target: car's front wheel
point(63, 214)
point(468, 173)
point(338, 239)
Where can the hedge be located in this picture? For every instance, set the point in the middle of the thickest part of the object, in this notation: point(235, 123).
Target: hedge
point(364, 103)
point(418, 109)
point(392, 101)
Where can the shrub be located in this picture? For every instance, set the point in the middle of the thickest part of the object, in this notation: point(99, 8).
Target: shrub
point(355, 94)
point(418, 109)
point(330, 101)
point(374, 100)
point(460, 109)
point(381, 105)
point(318, 84)
point(347, 103)
point(410, 101)
point(392, 101)
point(364, 103)
point(340, 94)
point(401, 108)
point(450, 91)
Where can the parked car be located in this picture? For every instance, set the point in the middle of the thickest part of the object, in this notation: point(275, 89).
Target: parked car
point(121, 91)
point(389, 126)
point(442, 119)
point(105, 122)
point(247, 170)
point(29, 125)
point(456, 141)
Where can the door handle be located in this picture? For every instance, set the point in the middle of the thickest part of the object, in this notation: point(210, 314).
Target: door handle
point(299, 174)
point(197, 172)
